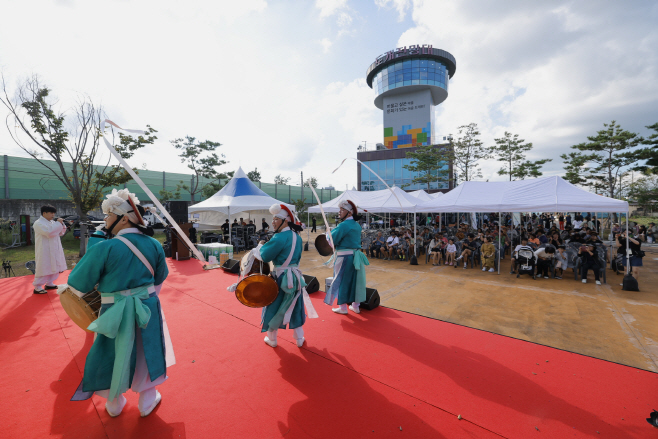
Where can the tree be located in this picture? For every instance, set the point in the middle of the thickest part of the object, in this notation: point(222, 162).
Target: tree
point(213, 187)
point(313, 181)
point(651, 153)
point(511, 150)
point(254, 175)
point(430, 163)
point(166, 195)
point(281, 180)
point(50, 133)
point(574, 165)
point(468, 151)
point(300, 206)
point(611, 151)
point(202, 159)
point(645, 191)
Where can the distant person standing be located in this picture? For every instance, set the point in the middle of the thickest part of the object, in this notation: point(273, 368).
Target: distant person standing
point(48, 253)
point(314, 224)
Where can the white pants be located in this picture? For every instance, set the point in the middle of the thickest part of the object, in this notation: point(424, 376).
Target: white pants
point(297, 334)
point(142, 383)
point(41, 281)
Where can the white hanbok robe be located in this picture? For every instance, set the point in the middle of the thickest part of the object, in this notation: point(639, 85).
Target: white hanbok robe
point(49, 255)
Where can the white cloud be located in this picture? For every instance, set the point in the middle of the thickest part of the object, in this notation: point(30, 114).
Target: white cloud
point(552, 74)
point(326, 44)
point(329, 7)
point(401, 6)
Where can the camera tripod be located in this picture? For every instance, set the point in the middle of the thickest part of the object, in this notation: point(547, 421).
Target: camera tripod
point(6, 265)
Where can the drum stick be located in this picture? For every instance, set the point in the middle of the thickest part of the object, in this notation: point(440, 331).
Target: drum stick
point(324, 217)
point(145, 188)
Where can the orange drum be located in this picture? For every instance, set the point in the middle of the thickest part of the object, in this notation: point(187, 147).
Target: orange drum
point(257, 289)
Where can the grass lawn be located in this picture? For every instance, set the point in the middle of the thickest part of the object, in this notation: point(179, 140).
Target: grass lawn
point(644, 220)
point(20, 255)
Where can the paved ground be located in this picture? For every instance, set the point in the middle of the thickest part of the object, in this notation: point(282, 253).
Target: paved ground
point(599, 321)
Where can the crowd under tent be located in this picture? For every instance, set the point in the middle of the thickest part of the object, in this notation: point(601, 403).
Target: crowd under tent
point(545, 194)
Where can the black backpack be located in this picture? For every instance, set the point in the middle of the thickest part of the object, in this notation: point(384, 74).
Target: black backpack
point(630, 283)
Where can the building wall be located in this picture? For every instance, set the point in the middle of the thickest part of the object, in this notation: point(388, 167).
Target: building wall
point(388, 164)
point(408, 120)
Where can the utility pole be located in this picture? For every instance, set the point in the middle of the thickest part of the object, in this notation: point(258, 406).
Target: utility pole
point(303, 187)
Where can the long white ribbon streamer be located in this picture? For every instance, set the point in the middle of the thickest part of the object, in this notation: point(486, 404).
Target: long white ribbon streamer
point(368, 168)
point(324, 217)
point(148, 192)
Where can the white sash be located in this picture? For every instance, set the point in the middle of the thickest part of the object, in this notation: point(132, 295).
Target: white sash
point(312, 314)
point(170, 358)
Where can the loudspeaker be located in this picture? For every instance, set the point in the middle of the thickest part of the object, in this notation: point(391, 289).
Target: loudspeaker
point(372, 299)
point(178, 210)
point(312, 284)
point(232, 266)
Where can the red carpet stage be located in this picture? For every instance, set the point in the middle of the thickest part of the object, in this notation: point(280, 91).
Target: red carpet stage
point(383, 373)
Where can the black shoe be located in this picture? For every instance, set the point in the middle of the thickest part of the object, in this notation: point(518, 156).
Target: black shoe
point(653, 418)
point(512, 272)
point(51, 287)
point(39, 292)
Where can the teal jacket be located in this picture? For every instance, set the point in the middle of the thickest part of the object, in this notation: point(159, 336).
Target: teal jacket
point(347, 236)
point(113, 266)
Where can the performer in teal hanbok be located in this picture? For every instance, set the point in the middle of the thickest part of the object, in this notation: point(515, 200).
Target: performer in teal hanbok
point(132, 348)
point(291, 305)
point(349, 284)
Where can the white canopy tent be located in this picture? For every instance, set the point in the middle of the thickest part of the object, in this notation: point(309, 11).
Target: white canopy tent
point(382, 201)
point(421, 195)
point(239, 196)
point(546, 194)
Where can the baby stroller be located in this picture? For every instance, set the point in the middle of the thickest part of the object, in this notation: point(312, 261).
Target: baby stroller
point(525, 262)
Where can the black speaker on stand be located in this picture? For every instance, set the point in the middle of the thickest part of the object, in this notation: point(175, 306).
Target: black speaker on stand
point(178, 210)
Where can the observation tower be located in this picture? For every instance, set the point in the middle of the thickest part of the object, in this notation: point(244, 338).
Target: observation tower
point(408, 83)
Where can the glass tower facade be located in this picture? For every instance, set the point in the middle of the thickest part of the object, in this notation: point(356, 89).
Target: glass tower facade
point(417, 71)
point(393, 173)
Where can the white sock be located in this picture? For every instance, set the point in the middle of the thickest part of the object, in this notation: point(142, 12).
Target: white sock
point(343, 307)
point(146, 398)
point(272, 335)
point(356, 305)
point(117, 404)
point(298, 333)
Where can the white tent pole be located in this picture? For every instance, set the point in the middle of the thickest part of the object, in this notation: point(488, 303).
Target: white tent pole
point(628, 258)
point(499, 246)
point(229, 226)
point(308, 226)
point(415, 235)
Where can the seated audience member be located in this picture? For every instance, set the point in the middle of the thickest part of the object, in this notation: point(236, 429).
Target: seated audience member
point(556, 241)
point(434, 248)
point(406, 247)
point(488, 255)
point(651, 233)
point(468, 247)
point(542, 238)
point(391, 246)
point(451, 250)
point(562, 261)
point(590, 260)
point(533, 240)
point(544, 258)
point(376, 246)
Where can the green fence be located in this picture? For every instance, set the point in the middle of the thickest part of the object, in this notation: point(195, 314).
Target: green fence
point(27, 179)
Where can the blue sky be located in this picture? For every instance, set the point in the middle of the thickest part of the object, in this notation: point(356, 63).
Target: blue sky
point(282, 83)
